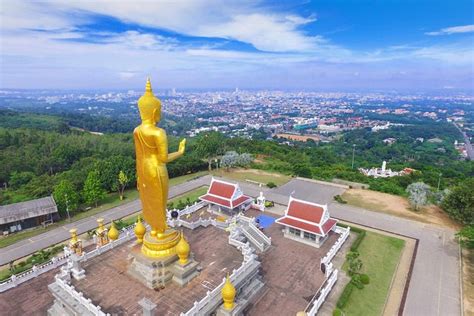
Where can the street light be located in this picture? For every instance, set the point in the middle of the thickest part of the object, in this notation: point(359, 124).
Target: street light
point(353, 154)
point(67, 208)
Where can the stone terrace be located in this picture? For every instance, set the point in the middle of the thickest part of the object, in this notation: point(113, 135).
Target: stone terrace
point(29, 298)
point(291, 272)
point(107, 283)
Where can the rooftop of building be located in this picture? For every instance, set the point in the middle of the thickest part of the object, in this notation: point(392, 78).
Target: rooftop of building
point(28, 209)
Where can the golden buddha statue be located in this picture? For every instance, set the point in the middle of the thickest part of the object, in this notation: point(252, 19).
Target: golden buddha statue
point(151, 147)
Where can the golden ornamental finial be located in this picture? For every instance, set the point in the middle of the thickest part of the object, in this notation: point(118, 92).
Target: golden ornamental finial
point(183, 249)
point(113, 233)
point(139, 230)
point(148, 85)
point(228, 294)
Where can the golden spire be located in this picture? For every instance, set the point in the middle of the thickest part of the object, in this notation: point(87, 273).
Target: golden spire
point(228, 294)
point(148, 85)
point(113, 233)
point(148, 104)
point(139, 230)
point(182, 250)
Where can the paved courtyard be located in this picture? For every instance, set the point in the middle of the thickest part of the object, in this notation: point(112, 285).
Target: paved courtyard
point(108, 284)
point(291, 272)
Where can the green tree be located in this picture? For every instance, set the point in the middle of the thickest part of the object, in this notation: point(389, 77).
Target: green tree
point(122, 182)
point(302, 170)
point(93, 191)
point(17, 179)
point(65, 196)
point(466, 236)
point(210, 145)
point(459, 203)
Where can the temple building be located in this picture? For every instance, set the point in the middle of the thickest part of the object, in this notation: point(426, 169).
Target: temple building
point(307, 222)
point(226, 196)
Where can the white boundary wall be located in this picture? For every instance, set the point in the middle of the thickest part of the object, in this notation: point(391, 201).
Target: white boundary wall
point(321, 295)
point(85, 302)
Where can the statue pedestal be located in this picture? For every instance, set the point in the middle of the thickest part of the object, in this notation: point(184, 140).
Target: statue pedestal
point(155, 263)
point(77, 271)
point(152, 272)
point(236, 310)
point(182, 274)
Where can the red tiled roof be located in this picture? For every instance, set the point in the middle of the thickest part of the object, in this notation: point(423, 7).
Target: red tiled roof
point(215, 200)
point(328, 225)
point(299, 225)
point(241, 200)
point(222, 189)
point(305, 211)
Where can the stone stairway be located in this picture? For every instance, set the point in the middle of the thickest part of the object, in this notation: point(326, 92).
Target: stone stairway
point(256, 237)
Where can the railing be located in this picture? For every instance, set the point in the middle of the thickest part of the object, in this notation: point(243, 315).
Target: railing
point(15, 280)
point(249, 223)
point(344, 233)
point(86, 302)
point(188, 210)
point(321, 295)
point(237, 276)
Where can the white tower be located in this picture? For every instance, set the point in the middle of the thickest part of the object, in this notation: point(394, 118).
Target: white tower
point(384, 166)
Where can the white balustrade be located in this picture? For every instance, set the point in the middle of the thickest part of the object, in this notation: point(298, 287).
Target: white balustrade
point(344, 233)
point(321, 295)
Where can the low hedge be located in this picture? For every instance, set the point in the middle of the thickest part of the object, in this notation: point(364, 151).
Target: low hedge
point(356, 243)
point(360, 235)
point(342, 301)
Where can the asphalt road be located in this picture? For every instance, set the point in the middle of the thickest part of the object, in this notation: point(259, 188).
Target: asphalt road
point(435, 282)
point(469, 149)
point(60, 234)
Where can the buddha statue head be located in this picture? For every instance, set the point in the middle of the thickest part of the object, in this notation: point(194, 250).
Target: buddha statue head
point(149, 106)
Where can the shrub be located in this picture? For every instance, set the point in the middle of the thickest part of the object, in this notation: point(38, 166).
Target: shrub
point(342, 301)
point(339, 199)
point(356, 280)
point(337, 312)
point(364, 278)
point(271, 185)
point(358, 240)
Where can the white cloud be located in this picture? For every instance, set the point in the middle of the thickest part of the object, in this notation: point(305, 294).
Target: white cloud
point(453, 30)
point(265, 32)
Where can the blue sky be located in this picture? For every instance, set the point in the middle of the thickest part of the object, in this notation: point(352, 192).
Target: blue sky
point(207, 44)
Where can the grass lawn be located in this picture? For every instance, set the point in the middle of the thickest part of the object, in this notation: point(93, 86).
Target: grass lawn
point(192, 195)
point(380, 255)
point(253, 175)
point(112, 200)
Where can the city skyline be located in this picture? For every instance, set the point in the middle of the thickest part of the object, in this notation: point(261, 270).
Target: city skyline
point(304, 45)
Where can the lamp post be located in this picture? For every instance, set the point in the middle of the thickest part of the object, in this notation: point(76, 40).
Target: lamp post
point(67, 207)
point(353, 154)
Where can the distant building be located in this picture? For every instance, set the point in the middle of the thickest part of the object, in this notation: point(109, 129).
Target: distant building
point(307, 222)
point(384, 172)
point(19, 216)
point(389, 141)
point(226, 196)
